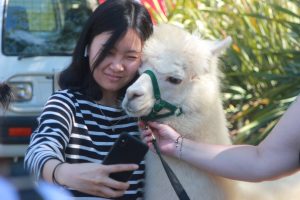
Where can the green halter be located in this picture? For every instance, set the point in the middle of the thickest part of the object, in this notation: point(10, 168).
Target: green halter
point(159, 103)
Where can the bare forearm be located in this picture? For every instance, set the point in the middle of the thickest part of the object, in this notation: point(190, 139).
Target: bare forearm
point(48, 169)
point(241, 162)
point(274, 157)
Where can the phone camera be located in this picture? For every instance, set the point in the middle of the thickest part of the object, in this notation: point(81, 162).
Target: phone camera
point(123, 142)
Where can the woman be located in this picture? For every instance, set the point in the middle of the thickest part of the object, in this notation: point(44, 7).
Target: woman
point(81, 122)
point(276, 156)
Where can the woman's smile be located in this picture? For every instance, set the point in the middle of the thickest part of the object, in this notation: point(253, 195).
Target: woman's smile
point(112, 77)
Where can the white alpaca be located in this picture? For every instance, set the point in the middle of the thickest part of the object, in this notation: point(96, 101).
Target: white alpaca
point(188, 76)
point(186, 69)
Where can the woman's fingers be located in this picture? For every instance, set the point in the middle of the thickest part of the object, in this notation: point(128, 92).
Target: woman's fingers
point(155, 125)
point(120, 168)
point(111, 193)
point(147, 137)
point(113, 184)
point(146, 133)
point(117, 185)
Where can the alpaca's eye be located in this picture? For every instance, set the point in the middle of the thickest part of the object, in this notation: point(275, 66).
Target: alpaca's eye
point(174, 80)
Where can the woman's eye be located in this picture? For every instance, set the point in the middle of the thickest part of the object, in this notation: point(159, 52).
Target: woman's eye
point(174, 80)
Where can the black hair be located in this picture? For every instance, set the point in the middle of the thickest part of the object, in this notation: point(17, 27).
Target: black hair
point(5, 95)
point(116, 17)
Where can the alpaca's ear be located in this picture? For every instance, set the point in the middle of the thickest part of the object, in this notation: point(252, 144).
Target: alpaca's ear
point(221, 45)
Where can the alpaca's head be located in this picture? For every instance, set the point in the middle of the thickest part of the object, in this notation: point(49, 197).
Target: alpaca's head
point(186, 70)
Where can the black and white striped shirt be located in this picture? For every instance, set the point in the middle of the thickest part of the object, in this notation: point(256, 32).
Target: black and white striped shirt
point(74, 129)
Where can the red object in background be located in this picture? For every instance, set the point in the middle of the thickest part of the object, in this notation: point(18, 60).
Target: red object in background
point(19, 131)
point(161, 4)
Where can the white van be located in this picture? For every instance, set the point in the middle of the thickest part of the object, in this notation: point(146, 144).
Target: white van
point(37, 40)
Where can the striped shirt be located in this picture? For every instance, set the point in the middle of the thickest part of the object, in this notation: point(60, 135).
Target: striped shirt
point(74, 129)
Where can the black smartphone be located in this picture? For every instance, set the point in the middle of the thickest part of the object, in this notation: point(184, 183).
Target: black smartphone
point(126, 150)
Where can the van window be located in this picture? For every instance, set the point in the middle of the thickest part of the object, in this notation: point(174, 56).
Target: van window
point(41, 28)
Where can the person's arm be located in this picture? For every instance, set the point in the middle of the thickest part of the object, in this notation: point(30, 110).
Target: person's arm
point(47, 150)
point(276, 156)
point(90, 178)
point(49, 140)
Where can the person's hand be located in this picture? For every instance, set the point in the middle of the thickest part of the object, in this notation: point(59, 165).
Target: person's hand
point(92, 178)
point(165, 137)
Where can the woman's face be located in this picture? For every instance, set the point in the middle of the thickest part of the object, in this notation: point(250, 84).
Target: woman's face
point(120, 66)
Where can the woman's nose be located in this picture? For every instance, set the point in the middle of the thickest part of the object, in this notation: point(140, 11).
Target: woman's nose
point(117, 65)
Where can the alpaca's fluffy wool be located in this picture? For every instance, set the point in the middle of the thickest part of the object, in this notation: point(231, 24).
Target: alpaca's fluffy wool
point(174, 54)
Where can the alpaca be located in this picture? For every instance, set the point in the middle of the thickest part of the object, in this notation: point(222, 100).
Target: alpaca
point(185, 65)
point(186, 68)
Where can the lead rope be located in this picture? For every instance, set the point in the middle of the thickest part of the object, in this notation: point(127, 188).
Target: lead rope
point(181, 193)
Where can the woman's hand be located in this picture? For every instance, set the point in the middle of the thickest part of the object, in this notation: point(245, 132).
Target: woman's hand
point(165, 137)
point(92, 178)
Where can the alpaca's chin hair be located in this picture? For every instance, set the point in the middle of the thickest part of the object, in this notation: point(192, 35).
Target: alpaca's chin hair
point(137, 113)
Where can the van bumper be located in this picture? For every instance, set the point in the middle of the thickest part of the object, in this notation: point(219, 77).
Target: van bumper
point(16, 129)
point(11, 151)
point(15, 134)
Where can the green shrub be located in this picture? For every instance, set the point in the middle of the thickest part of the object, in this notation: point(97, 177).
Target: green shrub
point(262, 67)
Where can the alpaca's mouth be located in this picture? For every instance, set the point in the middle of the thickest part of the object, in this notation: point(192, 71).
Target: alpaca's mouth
point(134, 112)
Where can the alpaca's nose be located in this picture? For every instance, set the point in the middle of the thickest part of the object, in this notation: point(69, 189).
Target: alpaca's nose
point(133, 94)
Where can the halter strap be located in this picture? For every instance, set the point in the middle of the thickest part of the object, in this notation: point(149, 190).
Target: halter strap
point(154, 114)
point(160, 103)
